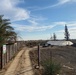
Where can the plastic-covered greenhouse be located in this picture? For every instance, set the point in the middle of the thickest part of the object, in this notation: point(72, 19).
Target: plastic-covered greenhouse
point(60, 43)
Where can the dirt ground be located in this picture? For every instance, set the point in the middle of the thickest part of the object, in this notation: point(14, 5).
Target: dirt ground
point(66, 56)
point(21, 64)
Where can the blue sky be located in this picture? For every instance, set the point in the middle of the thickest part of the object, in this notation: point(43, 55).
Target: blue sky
point(39, 19)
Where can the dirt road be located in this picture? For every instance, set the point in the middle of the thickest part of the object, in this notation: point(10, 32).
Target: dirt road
point(21, 65)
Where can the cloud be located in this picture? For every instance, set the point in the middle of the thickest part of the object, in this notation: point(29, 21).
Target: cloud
point(33, 22)
point(59, 2)
point(60, 23)
point(63, 23)
point(64, 1)
point(10, 10)
point(38, 18)
point(31, 28)
point(71, 28)
point(35, 26)
point(41, 28)
point(72, 32)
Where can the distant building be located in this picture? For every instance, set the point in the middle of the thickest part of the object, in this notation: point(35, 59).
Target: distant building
point(60, 43)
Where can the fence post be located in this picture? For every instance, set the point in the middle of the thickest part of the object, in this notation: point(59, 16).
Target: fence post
point(38, 55)
point(1, 57)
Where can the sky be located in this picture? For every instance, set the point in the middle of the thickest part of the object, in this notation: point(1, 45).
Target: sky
point(39, 19)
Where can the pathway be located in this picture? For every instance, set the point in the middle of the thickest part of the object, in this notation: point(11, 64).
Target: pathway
point(21, 65)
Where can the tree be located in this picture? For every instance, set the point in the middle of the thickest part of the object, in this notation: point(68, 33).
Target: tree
point(66, 33)
point(51, 38)
point(6, 31)
point(54, 36)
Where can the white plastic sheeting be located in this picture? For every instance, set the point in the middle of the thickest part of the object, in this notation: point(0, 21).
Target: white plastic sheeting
point(60, 43)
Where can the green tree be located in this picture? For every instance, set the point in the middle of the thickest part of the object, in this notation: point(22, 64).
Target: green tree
point(54, 36)
point(6, 31)
point(66, 33)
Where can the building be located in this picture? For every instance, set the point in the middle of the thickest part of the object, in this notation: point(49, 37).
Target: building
point(60, 43)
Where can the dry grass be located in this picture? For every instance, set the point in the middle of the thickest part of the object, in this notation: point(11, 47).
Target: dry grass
point(66, 56)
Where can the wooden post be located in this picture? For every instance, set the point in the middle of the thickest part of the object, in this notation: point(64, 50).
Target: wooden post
point(1, 57)
point(38, 55)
